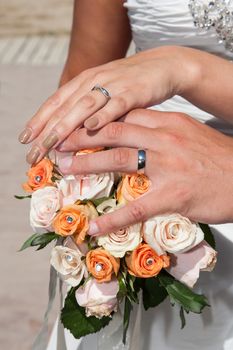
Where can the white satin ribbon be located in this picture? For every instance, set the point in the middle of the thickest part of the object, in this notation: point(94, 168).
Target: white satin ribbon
point(110, 337)
point(40, 342)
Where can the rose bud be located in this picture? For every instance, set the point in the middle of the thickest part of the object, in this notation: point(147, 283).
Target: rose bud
point(102, 265)
point(132, 187)
point(98, 299)
point(73, 220)
point(186, 267)
point(144, 262)
point(39, 176)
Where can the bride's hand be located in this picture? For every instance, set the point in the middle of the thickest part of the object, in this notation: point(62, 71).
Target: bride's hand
point(138, 81)
point(189, 164)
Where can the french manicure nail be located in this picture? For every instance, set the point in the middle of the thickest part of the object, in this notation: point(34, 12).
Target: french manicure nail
point(64, 164)
point(25, 135)
point(33, 155)
point(93, 229)
point(91, 123)
point(50, 141)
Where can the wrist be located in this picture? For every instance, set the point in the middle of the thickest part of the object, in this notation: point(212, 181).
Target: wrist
point(184, 68)
point(187, 71)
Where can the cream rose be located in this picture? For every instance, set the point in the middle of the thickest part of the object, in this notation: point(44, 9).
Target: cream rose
point(122, 241)
point(173, 234)
point(107, 206)
point(69, 264)
point(99, 299)
point(186, 267)
point(45, 202)
point(73, 188)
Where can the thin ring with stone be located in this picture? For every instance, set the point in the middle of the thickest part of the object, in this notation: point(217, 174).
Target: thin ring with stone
point(141, 161)
point(102, 90)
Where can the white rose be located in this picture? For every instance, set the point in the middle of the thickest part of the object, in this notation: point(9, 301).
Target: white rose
point(122, 241)
point(69, 264)
point(80, 187)
point(44, 204)
point(173, 234)
point(99, 299)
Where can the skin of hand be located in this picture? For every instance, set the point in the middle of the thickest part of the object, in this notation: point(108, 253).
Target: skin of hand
point(139, 81)
point(188, 163)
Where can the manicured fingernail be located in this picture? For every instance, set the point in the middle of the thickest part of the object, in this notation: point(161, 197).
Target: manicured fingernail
point(33, 155)
point(91, 123)
point(25, 135)
point(64, 164)
point(93, 229)
point(50, 141)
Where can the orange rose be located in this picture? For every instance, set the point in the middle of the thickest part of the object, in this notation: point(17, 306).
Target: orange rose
point(39, 176)
point(89, 150)
point(102, 265)
point(73, 220)
point(131, 187)
point(144, 262)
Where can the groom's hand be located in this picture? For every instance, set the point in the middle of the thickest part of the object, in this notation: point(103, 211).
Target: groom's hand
point(189, 164)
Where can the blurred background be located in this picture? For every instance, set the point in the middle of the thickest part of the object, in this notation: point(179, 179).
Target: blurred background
point(34, 38)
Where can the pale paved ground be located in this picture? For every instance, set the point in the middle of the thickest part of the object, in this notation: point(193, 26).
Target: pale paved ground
point(23, 276)
point(19, 17)
point(29, 72)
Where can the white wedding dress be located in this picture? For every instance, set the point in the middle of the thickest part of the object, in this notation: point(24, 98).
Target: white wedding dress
point(169, 22)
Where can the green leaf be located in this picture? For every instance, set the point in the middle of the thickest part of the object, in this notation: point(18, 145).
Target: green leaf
point(75, 320)
point(28, 242)
point(182, 317)
point(22, 197)
point(209, 237)
point(182, 295)
point(132, 294)
point(153, 293)
point(127, 311)
point(39, 239)
point(122, 287)
point(99, 201)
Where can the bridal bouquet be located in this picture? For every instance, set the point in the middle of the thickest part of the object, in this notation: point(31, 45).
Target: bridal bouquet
point(157, 259)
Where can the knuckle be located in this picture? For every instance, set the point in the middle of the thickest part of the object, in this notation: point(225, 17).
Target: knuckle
point(98, 75)
point(137, 212)
point(104, 116)
point(135, 113)
point(121, 102)
point(54, 100)
point(172, 137)
point(88, 101)
point(179, 117)
point(85, 74)
point(121, 157)
point(62, 111)
point(113, 131)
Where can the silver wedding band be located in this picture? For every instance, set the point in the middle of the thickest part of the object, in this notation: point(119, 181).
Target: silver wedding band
point(102, 90)
point(141, 161)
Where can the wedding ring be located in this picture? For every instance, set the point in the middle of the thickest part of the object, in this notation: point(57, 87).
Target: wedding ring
point(141, 161)
point(102, 90)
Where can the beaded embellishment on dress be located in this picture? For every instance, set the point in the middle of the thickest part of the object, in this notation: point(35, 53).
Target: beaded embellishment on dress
point(216, 14)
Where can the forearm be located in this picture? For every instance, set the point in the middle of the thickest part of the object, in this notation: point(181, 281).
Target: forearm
point(207, 82)
point(100, 33)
